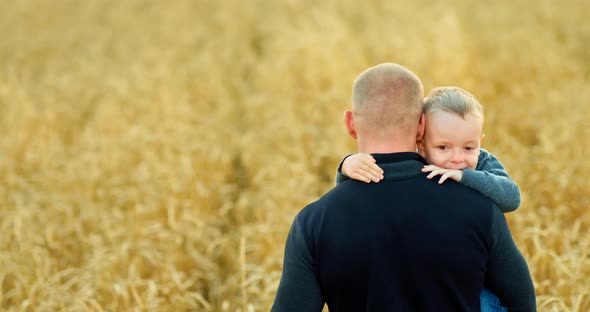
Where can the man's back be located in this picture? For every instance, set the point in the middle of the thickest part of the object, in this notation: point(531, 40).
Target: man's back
point(405, 244)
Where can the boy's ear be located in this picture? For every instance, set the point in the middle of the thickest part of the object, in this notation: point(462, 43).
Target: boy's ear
point(483, 136)
point(349, 122)
point(421, 127)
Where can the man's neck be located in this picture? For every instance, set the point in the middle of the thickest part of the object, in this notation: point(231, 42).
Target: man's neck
point(384, 147)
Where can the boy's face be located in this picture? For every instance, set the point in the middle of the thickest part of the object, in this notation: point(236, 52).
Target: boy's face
point(451, 141)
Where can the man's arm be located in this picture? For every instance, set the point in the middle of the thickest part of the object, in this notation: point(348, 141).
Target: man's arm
point(491, 179)
point(507, 273)
point(299, 289)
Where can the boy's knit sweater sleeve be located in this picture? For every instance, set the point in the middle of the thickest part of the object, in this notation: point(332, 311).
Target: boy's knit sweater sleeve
point(491, 179)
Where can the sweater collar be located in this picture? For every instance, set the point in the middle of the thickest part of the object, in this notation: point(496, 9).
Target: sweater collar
point(398, 157)
point(400, 165)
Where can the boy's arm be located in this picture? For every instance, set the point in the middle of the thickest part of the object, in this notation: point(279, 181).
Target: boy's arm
point(340, 176)
point(360, 166)
point(491, 179)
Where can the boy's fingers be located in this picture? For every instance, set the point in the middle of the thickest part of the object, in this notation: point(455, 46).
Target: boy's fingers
point(428, 168)
point(360, 177)
point(435, 173)
point(369, 156)
point(372, 177)
point(370, 163)
point(377, 169)
point(371, 172)
point(365, 176)
point(432, 174)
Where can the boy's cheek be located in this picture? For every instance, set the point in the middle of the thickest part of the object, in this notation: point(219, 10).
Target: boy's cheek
point(473, 163)
point(421, 152)
point(476, 159)
point(433, 158)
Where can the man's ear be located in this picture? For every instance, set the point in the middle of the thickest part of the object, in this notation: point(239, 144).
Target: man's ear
point(421, 127)
point(349, 122)
point(421, 147)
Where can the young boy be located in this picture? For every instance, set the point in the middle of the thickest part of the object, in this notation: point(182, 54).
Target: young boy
point(451, 146)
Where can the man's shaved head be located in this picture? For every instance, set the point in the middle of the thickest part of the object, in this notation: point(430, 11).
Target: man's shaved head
point(387, 101)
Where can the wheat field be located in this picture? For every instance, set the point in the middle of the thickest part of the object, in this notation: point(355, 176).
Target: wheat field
point(154, 153)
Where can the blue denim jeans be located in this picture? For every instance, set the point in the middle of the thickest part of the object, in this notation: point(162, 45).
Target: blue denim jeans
point(490, 303)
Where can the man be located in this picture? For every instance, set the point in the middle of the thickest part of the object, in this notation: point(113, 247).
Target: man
point(405, 243)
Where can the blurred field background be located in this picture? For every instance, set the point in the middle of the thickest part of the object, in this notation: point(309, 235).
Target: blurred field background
point(153, 154)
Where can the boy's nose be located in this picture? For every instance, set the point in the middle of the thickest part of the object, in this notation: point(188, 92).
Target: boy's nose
point(457, 157)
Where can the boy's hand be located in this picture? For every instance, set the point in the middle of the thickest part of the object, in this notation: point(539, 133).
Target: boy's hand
point(362, 167)
point(453, 174)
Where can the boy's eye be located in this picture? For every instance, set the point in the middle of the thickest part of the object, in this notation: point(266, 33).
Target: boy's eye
point(469, 148)
point(441, 147)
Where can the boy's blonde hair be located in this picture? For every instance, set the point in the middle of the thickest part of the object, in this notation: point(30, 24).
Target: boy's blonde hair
point(452, 100)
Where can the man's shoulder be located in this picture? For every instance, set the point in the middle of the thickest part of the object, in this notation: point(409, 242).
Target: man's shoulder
point(348, 192)
point(334, 197)
point(309, 220)
point(450, 195)
point(464, 192)
point(322, 202)
point(469, 199)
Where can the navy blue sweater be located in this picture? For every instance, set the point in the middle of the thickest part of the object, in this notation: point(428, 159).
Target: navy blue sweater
point(404, 244)
point(489, 178)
